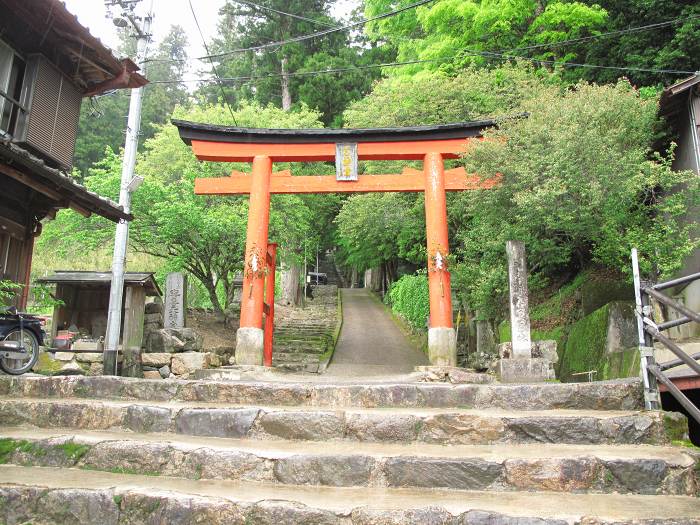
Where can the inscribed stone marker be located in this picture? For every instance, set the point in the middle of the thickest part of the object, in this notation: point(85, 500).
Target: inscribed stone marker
point(519, 309)
point(175, 288)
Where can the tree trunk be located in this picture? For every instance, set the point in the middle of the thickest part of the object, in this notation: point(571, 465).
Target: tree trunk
point(290, 274)
point(286, 95)
point(211, 290)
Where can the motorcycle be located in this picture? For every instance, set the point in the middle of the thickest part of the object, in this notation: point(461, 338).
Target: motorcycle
point(21, 335)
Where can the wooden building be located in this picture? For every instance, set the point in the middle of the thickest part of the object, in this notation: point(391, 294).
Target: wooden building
point(49, 62)
point(680, 106)
point(85, 297)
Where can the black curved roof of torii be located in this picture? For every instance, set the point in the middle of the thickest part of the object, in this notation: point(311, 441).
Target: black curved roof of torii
point(190, 131)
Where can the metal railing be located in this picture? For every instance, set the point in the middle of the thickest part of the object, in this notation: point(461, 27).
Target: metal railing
point(648, 332)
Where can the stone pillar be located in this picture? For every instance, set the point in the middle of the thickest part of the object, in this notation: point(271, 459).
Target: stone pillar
point(442, 343)
point(516, 363)
point(519, 308)
point(175, 300)
point(249, 337)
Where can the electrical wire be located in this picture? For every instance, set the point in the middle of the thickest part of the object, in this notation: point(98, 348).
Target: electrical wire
point(213, 66)
point(465, 52)
point(302, 38)
point(605, 35)
point(273, 10)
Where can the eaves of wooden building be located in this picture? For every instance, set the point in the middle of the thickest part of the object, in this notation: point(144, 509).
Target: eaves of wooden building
point(49, 62)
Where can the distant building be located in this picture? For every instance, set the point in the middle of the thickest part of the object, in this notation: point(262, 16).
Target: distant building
point(680, 105)
point(48, 63)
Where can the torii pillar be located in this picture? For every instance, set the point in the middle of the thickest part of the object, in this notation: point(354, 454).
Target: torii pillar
point(249, 337)
point(442, 342)
point(263, 147)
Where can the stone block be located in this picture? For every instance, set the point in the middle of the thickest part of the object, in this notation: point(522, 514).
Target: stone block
point(141, 418)
point(157, 359)
point(188, 362)
point(546, 349)
point(151, 374)
point(64, 356)
point(442, 346)
point(303, 425)
point(460, 474)
point(524, 370)
point(249, 346)
point(89, 357)
point(337, 471)
point(71, 368)
point(224, 422)
point(164, 371)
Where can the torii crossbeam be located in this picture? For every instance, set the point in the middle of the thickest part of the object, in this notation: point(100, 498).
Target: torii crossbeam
point(263, 147)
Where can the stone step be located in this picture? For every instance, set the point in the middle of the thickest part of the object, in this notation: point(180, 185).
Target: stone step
point(407, 425)
point(560, 468)
point(51, 495)
point(604, 395)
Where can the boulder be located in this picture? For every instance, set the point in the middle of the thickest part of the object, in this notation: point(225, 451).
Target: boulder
point(188, 362)
point(154, 308)
point(164, 372)
point(156, 359)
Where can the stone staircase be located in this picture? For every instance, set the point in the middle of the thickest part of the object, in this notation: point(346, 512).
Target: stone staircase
point(305, 338)
point(108, 451)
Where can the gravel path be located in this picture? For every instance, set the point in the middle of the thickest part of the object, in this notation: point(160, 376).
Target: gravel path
point(370, 343)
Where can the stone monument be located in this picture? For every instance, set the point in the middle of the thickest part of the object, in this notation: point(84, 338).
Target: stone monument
point(517, 363)
point(175, 300)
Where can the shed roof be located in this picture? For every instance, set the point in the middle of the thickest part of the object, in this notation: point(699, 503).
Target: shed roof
point(145, 279)
point(673, 98)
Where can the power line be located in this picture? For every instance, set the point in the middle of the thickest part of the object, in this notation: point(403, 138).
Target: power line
point(464, 52)
point(273, 10)
point(302, 38)
point(609, 33)
point(213, 66)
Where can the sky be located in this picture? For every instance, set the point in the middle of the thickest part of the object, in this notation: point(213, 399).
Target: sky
point(93, 15)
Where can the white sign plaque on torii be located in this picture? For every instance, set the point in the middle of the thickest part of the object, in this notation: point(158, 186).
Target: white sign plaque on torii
point(346, 161)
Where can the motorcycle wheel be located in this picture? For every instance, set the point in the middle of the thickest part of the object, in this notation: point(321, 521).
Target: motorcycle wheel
point(17, 367)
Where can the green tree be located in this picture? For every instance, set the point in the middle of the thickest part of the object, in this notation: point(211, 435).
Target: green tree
point(103, 118)
point(203, 235)
point(453, 33)
point(284, 74)
point(579, 186)
point(675, 47)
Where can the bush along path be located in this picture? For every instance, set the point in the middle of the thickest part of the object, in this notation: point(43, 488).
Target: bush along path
point(109, 451)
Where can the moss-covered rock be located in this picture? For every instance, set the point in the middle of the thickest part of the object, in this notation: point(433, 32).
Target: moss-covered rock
point(47, 365)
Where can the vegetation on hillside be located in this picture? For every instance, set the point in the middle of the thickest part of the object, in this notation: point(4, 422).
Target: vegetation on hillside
point(581, 181)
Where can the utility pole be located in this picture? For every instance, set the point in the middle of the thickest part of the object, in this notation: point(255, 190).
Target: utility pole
point(129, 183)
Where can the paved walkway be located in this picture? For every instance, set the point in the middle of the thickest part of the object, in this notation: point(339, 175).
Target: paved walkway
point(370, 343)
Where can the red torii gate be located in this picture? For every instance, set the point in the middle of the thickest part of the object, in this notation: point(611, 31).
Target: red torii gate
point(262, 147)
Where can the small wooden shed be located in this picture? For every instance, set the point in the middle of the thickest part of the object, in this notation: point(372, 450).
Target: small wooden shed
point(86, 300)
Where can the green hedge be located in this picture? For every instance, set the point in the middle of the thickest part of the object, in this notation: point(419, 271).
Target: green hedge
point(409, 299)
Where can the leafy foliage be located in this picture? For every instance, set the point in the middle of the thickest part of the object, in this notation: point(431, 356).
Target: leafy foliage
point(579, 185)
point(103, 118)
point(8, 291)
point(409, 298)
point(452, 33)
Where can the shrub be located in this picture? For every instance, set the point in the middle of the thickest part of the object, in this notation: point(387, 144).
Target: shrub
point(409, 298)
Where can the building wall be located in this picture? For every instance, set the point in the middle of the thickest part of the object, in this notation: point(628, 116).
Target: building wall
point(688, 158)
